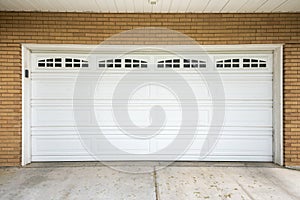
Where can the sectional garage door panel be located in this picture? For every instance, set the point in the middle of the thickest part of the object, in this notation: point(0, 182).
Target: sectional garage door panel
point(237, 87)
point(243, 148)
point(236, 116)
point(246, 134)
point(240, 144)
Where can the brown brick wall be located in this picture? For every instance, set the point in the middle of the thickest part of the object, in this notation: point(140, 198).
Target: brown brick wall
point(292, 104)
point(91, 28)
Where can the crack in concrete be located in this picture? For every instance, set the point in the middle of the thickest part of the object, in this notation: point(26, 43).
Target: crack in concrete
point(155, 183)
point(248, 193)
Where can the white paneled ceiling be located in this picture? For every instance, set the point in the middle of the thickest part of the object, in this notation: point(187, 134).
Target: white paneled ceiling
point(161, 6)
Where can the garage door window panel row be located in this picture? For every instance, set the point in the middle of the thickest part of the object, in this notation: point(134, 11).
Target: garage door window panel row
point(62, 63)
point(245, 63)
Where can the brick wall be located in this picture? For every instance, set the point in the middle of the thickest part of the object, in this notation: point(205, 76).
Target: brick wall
point(292, 103)
point(91, 28)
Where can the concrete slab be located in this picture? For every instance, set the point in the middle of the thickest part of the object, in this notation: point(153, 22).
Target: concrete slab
point(151, 164)
point(93, 164)
point(74, 183)
point(181, 180)
point(228, 183)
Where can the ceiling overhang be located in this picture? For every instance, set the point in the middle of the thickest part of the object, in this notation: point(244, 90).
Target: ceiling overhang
point(153, 6)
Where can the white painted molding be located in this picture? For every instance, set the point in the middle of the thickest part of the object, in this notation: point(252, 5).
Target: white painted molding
point(278, 150)
point(109, 49)
point(26, 112)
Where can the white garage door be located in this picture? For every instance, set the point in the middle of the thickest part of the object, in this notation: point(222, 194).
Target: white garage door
point(73, 119)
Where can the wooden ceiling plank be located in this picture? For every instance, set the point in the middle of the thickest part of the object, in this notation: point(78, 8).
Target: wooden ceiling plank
point(270, 5)
point(251, 6)
point(289, 6)
point(233, 5)
point(197, 5)
point(215, 5)
point(165, 6)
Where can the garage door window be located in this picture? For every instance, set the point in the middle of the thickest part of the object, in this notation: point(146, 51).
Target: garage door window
point(181, 63)
point(122, 63)
point(231, 63)
point(62, 63)
point(111, 63)
point(254, 63)
point(134, 63)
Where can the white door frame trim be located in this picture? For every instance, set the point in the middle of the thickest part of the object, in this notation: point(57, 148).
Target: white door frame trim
point(26, 111)
point(277, 50)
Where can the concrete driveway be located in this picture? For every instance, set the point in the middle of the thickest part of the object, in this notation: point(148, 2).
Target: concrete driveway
point(181, 180)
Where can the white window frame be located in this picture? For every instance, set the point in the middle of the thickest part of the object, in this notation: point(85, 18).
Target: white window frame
point(276, 49)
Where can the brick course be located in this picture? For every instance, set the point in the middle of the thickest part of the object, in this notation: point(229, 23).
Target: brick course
point(94, 28)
